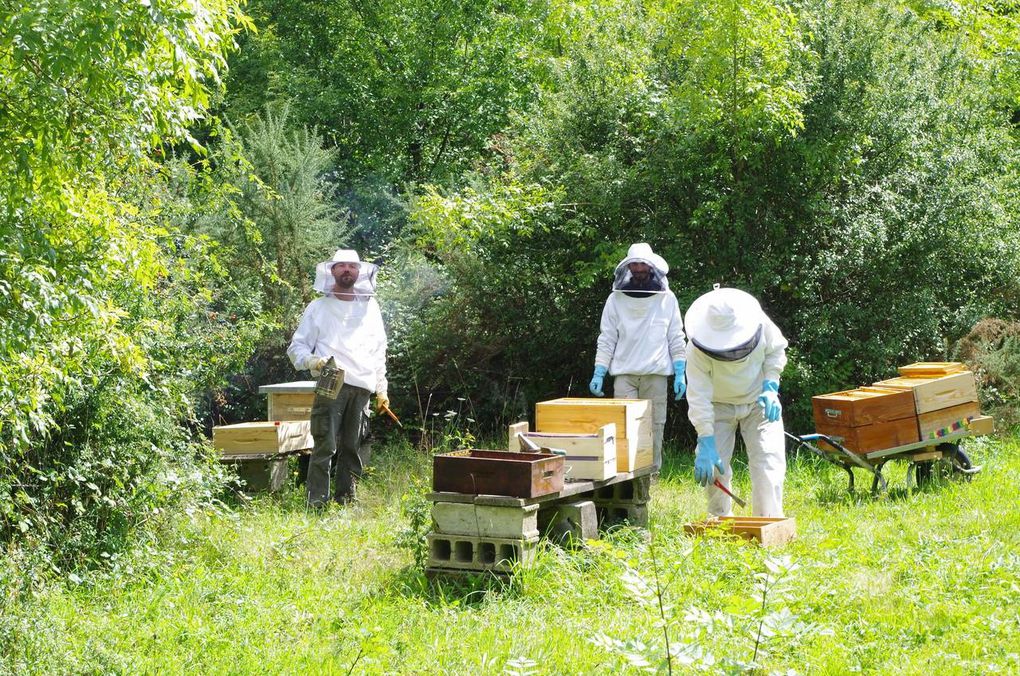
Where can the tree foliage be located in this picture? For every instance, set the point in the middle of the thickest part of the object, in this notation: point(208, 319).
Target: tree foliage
point(842, 161)
point(89, 92)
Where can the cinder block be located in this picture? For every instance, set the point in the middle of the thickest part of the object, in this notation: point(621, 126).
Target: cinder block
point(571, 522)
point(637, 491)
point(489, 521)
point(612, 514)
point(464, 552)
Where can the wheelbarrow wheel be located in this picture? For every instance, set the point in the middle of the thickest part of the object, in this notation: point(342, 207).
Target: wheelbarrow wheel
point(954, 462)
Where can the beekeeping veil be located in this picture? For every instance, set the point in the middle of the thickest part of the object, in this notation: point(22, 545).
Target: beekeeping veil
point(726, 324)
point(624, 279)
point(363, 286)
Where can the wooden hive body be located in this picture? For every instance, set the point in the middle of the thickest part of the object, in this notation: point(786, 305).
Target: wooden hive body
point(938, 392)
point(863, 406)
point(867, 419)
point(632, 417)
point(767, 531)
point(483, 472)
point(263, 437)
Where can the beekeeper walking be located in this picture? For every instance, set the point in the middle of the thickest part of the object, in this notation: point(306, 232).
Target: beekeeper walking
point(735, 357)
point(641, 340)
point(346, 324)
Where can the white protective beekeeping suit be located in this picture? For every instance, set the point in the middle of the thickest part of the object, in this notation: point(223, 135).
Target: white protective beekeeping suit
point(733, 349)
point(641, 337)
point(351, 332)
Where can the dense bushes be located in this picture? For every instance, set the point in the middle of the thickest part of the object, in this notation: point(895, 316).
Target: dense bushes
point(102, 298)
point(866, 200)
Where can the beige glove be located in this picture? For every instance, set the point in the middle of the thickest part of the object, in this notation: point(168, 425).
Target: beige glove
point(316, 364)
point(381, 402)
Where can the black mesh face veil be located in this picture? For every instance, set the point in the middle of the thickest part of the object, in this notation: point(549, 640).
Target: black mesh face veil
point(638, 287)
point(734, 353)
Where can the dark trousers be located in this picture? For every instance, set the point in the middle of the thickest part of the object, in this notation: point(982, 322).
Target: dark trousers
point(336, 429)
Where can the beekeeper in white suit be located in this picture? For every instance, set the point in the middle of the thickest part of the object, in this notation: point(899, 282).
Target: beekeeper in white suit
point(346, 324)
point(735, 357)
point(641, 340)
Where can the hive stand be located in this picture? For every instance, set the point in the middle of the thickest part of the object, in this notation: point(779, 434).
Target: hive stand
point(497, 533)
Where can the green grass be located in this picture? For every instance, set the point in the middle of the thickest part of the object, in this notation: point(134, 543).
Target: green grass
point(904, 584)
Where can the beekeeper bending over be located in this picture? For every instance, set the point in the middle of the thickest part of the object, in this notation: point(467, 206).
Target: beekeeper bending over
point(734, 357)
point(641, 338)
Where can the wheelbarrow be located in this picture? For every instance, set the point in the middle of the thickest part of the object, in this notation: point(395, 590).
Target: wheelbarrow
point(942, 454)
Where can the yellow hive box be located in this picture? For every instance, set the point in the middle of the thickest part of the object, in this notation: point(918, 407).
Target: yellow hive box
point(290, 401)
point(934, 393)
point(766, 531)
point(632, 417)
point(263, 437)
point(589, 456)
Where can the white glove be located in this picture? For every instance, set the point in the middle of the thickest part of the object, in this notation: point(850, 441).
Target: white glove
point(315, 365)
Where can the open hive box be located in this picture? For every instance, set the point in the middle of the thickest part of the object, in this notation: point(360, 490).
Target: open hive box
point(766, 531)
point(481, 472)
point(589, 457)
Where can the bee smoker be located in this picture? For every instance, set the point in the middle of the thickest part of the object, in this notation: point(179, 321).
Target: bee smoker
point(330, 380)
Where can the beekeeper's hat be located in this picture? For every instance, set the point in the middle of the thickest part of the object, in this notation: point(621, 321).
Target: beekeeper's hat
point(725, 322)
point(365, 284)
point(642, 253)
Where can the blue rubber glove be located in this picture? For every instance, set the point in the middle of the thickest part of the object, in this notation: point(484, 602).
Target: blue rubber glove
point(706, 460)
point(595, 386)
point(679, 382)
point(769, 400)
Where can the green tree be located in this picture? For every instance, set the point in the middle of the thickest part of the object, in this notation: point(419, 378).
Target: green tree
point(405, 90)
point(89, 93)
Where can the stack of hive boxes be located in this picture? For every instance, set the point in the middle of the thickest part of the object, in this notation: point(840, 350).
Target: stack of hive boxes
point(619, 427)
point(258, 450)
point(602, 438)
point(926, 402)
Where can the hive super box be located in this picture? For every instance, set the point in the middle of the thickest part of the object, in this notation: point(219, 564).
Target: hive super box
point(632, 417)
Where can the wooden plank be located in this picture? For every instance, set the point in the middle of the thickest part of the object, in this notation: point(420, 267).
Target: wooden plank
point(862, 406)
point(767, 531)
point(513, 443)
point(263, 437)
point(932, 394)
point(632, 417)
point(936, 424)
point(931, 368)
point(982, 425)
point(867, 438)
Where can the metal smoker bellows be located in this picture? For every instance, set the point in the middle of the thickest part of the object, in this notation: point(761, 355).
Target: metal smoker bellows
point(330, 380)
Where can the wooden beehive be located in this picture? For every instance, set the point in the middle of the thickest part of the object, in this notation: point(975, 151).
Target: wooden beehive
point(928, 369)
point(863, 406)
point(481, 472)
point(938, 392)
point(263, 437)
point(877, 437)
point(632, 417)
point(589, 456)
point(290, 401)
point(766, 531)
point(938, 423)
point(866, 419)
